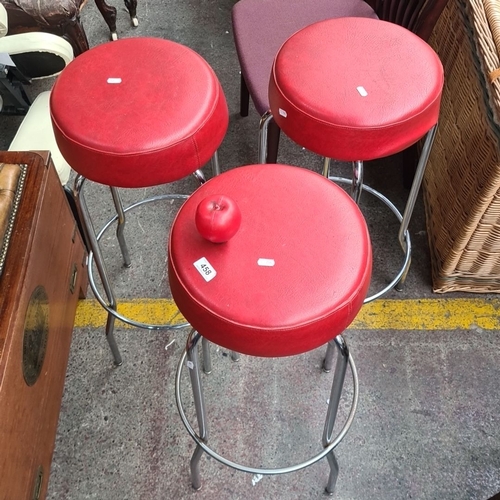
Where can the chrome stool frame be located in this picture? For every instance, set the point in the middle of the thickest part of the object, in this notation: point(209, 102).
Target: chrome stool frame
point(95, 254)
point(190, 359)
point(357, 187)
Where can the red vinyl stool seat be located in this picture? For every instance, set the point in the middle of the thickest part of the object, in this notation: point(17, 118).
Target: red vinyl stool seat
point(356, 89)
point(135, 113)
point(292, 278)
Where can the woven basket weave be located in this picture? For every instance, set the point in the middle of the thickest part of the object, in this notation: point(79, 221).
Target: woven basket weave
point(462, 181)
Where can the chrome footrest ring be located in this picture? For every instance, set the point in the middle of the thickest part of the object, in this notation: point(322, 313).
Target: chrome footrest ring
point(407, 251)
point(258, 470)
point(93, 286)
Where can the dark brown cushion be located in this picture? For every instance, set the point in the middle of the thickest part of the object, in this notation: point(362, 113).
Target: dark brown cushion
point(42, 12)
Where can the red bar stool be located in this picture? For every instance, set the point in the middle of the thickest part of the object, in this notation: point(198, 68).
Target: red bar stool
point(135, 113)
point(357, 89)
point(291, 279)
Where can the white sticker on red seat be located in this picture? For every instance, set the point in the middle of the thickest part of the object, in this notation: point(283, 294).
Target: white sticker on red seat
point(266, 262)
point(205, 269)
point(362, 91)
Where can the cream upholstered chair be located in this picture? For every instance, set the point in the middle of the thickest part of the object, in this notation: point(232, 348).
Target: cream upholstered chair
point(35, 55)
point(36, 134)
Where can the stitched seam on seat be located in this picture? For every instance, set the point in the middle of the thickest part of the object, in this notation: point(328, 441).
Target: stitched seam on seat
point(148, 151)
point(353, 127)
point(324, 317)
point(143, 152)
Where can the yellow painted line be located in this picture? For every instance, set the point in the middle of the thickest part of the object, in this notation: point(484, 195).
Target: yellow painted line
point(429, 314)
point(412, 314)
point(153, 311)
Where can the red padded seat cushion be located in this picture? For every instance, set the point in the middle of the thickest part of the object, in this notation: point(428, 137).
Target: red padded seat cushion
point(164, 119)
point(355, 88)
point(261, 26)
point(308, 227)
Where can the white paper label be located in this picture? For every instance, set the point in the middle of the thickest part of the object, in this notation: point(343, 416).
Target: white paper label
point(282, 113)
point(266, 262)
point(205, 269)
point(114, 80)
point(362, 91)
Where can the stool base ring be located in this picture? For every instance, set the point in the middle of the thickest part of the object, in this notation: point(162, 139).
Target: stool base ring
point(92, 282)
point(257, 470)
point(407, 239)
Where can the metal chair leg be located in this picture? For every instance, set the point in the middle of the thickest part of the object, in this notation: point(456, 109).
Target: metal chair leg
point(215, 164)
point(263, 135)
point(199, 176)
point(269, 136)
point(334, 473)
point(357, 180)
point(273, 141)
point(412, 197)
point(326, 167)
point(120, 225)
point(93, 244)
point(199, 404)
point(189, 358)
point(336, 392)
point(328, 360)
point(207, 358)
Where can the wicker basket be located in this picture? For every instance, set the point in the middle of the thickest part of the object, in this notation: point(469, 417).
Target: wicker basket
point(462, 181)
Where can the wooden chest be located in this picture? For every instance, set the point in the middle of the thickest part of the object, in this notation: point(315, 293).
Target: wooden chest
point(43, 273)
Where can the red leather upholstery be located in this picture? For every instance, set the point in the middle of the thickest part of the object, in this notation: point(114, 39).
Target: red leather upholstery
point(164, 120)
point(314, 96)
point(321, 249)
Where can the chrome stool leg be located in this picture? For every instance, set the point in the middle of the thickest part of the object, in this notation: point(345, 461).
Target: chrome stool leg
point(108, 299)
point(326, 167)
point(412, 197)
point(199, 176)
point(105, 302)
point(199, 404)
point(334, 473)
point(357, 177)
point(336, 392)
point(93, 245)
point(263, 128)
point(328, 360)
point(189, 358)
point(120, 226)
point(358, 187)
point(357, 181)
point(215, 164)
point(207, 358)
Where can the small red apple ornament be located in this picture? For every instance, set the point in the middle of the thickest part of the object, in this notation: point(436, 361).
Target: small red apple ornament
point(218, 218)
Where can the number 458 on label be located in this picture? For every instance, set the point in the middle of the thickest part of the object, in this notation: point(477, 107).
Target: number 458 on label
point(205, 269)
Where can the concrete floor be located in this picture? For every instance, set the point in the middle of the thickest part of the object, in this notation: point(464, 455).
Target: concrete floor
point(427, 425)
